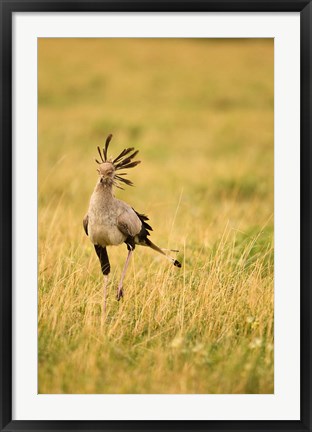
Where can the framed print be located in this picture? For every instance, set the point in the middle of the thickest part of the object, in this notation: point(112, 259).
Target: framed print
point(182, 302)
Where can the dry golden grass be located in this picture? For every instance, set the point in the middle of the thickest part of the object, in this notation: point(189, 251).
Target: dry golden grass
point(201, 113)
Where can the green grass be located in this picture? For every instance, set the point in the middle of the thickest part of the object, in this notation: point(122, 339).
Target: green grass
point(201, 114)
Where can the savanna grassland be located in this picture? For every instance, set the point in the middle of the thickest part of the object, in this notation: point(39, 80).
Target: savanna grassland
point(201, 114)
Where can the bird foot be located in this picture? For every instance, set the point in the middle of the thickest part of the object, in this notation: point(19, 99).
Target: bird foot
point(119, 293)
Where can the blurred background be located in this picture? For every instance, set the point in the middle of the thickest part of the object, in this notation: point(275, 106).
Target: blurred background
point(201, 113)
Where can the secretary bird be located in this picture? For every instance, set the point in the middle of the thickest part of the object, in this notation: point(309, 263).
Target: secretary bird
point(110, 221)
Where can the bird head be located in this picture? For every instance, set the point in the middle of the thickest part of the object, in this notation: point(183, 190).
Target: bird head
point(106, 171)
point(108, 167)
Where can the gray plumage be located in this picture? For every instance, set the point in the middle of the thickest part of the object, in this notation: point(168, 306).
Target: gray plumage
point(110, 221)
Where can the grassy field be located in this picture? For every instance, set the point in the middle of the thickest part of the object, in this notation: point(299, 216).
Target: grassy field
point(201, 114)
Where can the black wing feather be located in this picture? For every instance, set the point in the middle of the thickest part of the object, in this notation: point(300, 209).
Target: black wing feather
point(145, 226)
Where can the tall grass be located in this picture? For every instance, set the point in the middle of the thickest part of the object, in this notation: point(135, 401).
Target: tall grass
point(201, 113)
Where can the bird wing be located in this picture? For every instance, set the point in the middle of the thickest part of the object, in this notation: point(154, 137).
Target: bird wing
point(129, 223)
point(145, 226)
point(85, 223)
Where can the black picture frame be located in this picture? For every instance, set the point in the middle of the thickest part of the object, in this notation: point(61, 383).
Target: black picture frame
point(7, 8)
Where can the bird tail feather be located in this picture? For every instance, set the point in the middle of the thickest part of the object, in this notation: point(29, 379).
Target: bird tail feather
point(161, 251)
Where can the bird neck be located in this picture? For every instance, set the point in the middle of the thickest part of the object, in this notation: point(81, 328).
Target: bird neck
point(105, 188)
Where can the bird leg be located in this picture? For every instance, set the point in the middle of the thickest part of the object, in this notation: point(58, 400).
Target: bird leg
point(119, 290)
point(105, 267)
point(104, 295)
